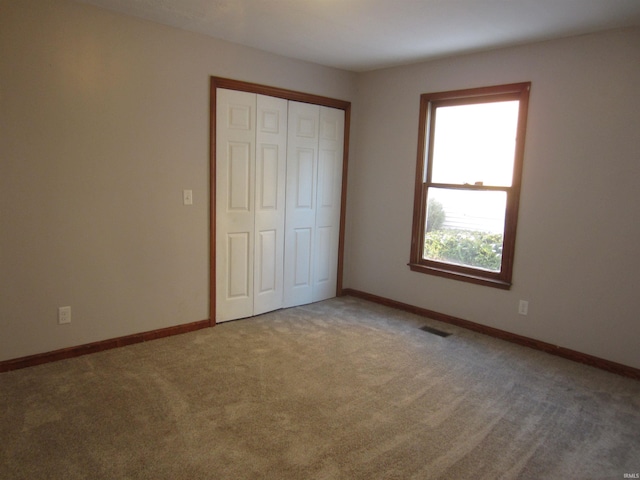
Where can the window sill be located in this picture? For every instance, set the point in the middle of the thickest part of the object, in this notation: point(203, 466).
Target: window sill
point(460, 276)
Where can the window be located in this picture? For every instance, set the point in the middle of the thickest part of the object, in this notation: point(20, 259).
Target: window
point(468, 176)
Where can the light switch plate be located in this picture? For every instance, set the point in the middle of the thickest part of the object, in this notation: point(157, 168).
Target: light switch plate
point(187, 197)
point(523, 307)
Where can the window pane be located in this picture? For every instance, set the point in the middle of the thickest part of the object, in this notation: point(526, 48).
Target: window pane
point(465, 227)
point(475, 143)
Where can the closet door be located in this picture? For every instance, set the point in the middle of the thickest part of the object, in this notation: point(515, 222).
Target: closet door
point(278, 198)
point(302, 168)
point(271, 149)
point(328, 202)
point(235, 179)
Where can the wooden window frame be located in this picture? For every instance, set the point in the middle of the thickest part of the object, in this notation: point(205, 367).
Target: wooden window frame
point(428, 103)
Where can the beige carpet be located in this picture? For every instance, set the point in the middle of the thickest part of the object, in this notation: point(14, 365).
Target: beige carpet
point(342, 389)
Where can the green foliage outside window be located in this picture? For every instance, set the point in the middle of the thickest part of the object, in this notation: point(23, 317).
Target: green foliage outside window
point(435, 215)
point(465, 247)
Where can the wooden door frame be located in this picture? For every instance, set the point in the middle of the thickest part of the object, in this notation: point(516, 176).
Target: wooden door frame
point(219, 82)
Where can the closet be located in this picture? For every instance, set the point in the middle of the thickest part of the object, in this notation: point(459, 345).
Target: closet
point(278, 190)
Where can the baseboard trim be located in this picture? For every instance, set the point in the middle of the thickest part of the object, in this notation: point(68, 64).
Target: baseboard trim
point(567, 353)
point(47, 357)
point(100, 346)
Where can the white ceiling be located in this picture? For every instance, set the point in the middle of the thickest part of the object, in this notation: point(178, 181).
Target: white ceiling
point(361, 35)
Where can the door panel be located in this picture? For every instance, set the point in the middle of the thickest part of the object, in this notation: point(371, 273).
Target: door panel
point(329, 197)
point(267, 273)
point(235, 177)
point(238, 274)
point(268, 179)
point(305, 184)
point(302, 167)
point(238, 115)
point(323, 244)
point(271, 158)
point(302, 258)
point(239, 177)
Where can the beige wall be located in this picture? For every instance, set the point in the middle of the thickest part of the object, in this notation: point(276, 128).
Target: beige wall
point(577, 253)
point(103, 122)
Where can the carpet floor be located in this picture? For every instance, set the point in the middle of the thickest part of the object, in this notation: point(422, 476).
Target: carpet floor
point(341, 389)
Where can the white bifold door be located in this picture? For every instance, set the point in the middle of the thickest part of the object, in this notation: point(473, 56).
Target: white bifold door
point(278, 194)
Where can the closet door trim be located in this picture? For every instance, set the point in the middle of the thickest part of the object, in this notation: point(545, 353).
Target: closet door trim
point(219, 82)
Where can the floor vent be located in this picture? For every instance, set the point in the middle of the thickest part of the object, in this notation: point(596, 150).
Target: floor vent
point(435, 331)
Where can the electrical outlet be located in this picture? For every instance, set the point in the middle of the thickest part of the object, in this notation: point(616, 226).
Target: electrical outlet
point(523, 308)
point(187, 197)
point(64, 315)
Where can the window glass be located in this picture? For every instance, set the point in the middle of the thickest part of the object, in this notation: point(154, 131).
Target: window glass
point(465, 227)
point(475, 144)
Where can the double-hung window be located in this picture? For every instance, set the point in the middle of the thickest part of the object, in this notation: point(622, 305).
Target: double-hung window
point(468, 177)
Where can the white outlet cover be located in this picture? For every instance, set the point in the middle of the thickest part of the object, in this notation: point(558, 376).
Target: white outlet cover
point(187, 197)
point(64, 315)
